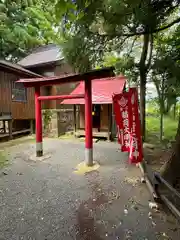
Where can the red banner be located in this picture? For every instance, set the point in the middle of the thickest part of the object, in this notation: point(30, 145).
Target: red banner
point(120, 102)
point(135, 151)
point(128, 124)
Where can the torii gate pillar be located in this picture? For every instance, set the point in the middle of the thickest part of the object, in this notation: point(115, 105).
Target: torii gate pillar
point(38, 115)
point(88, 123)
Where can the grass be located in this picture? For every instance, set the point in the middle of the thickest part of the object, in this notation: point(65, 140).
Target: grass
point(158, 156)
point(16, 141)
point(3, 160)
point(6, 145)
point(153, 129)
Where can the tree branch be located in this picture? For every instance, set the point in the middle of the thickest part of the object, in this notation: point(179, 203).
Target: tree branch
point(144, 32)
point(132, 46)
point(122, 42)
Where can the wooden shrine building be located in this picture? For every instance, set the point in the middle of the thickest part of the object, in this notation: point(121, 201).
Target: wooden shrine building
point(102, 110)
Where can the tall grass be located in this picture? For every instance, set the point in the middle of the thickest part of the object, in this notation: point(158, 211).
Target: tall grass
point(153, 128)
point(153, 125)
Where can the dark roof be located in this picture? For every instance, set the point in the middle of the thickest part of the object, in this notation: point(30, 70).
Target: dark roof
point(42, 55)
point(45, 81)
point(12, 67)
point(102, 90)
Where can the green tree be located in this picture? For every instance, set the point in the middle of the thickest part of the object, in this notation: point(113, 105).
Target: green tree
point(98, 27)
point(167, 68)
point(123, 65)
point(25, 24)
point(165, 73)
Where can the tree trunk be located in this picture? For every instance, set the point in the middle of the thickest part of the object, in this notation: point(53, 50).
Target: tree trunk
point(161, 97)
point(170, 170)
point(143, 75)
point(174, 110)
point(161, 102)
point(143, 105)
point(161, 126)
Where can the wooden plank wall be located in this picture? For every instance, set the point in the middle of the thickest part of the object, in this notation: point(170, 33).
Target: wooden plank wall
point(57, 70)
point(63, 89)
point(82, 116)
point(19, 110)
point(104, 117)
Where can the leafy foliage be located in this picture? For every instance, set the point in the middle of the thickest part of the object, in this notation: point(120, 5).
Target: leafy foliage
point(110, 26)
point(123, 65)
point(166, 69)
point(25, 24)
point(107, 24)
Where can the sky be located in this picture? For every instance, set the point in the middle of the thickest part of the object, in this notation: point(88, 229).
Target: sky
point(150, 91)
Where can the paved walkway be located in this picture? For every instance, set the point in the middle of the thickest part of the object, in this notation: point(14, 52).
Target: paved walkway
point(47, 201)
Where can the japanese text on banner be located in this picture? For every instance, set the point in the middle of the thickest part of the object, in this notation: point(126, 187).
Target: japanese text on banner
point(121, 115)
point(135, 151)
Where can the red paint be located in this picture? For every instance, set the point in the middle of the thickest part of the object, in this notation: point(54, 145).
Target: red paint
point(102, 90)
point(128, 124)
point(88, 114)
point(135, 131)
point(38, 116)
point(61, 97)
point(120, 103)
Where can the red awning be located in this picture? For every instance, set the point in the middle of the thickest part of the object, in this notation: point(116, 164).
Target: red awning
point(102, 90)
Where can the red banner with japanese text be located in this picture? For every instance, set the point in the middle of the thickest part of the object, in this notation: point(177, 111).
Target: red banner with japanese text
point(128, 124)
point(135, 149)
point(120, 103)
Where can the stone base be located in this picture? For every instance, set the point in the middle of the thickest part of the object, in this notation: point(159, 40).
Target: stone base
point(82, 168)
point(39, 159)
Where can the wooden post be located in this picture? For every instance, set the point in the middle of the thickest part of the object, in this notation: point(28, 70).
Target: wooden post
point(32, 126)
point(78, 117)
point(38, 115)
point(75, 126)
point(10, 128)
point(4, 125)
point(88, 123)
point(109, 122)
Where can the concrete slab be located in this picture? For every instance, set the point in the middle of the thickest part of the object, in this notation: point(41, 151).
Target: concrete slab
point(46, 200)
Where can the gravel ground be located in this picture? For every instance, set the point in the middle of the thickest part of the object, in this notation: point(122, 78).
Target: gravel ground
point(46, 200)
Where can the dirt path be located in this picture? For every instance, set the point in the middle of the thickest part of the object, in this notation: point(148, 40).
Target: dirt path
point(46, 200)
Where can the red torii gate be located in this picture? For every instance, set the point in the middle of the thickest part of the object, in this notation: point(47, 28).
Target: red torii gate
point(37, 83)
